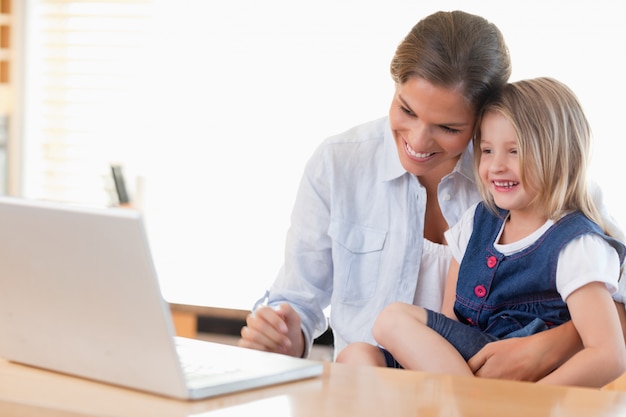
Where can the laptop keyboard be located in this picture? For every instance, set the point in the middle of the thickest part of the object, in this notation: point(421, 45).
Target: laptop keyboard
point(197, 364)
point(196, 372)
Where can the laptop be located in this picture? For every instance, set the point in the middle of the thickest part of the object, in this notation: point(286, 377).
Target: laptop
point(79, 295)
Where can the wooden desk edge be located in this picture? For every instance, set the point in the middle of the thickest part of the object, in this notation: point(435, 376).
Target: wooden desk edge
point(185, 317)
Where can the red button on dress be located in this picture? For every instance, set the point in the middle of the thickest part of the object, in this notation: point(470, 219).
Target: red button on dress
point(480, 291)
point(491, 261)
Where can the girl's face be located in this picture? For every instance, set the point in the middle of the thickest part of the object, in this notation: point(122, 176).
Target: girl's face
point(431, 125)
point(499, 168)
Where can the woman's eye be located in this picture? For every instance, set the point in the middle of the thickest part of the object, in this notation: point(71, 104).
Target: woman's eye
point(449, 129)
point(407, 111)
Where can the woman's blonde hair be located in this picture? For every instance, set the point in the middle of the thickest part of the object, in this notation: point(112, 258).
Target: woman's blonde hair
point(554, 145)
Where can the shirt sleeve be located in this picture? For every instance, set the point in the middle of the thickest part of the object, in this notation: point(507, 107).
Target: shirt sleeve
point(307, 272)
point(615, 230)
point(458, 236)
point(587, 259)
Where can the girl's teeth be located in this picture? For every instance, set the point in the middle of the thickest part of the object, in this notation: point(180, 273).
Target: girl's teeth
point(505, 183)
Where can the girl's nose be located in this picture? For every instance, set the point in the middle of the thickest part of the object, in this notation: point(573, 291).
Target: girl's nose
point(497, 163)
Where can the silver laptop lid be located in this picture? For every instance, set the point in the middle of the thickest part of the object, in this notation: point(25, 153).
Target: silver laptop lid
point(79, 295)
point(60, 268)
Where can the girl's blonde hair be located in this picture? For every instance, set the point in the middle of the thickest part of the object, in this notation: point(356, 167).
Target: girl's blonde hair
point(554, 145)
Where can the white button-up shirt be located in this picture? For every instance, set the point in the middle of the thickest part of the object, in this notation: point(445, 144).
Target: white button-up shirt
point(356, 235)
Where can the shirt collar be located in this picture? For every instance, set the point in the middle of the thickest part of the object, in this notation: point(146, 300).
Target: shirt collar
point(465, 166)
point(392, 167)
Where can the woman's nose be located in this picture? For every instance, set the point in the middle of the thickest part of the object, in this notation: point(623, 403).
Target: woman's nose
point(419, 136)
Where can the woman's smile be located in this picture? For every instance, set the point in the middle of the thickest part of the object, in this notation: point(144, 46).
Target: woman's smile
point(432, 126)
point(418, 156)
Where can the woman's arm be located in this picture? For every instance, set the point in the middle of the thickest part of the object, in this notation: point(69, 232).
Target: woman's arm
point(621, 313)
point(534, 357)
point(449, 295)
point(603, 357)
point(527, 358)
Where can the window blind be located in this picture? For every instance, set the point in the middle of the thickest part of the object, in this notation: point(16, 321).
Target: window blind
point(233, 97)
point(83, 59)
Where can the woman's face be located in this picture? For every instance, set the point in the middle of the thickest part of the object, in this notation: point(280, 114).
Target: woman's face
point(431, 125)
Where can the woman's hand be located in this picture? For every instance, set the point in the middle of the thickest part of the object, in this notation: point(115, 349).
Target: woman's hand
point(527, 358)
point(512, 358)
point(273, 330)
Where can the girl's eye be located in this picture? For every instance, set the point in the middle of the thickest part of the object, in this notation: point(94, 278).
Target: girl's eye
point(485, 151)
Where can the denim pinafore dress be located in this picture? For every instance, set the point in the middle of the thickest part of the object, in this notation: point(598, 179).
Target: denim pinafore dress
point(516, 295)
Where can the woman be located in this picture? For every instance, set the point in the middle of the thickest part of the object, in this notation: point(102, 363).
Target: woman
point(374, 202)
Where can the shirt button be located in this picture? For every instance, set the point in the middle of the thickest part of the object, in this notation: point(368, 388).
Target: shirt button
point(447, 197)
point(480, 291)
point(491, 261)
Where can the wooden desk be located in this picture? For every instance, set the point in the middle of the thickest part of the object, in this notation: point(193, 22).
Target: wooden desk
point(341, 391)
point(185, 319)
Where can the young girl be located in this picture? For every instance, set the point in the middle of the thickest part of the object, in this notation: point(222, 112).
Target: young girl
point(531, 256)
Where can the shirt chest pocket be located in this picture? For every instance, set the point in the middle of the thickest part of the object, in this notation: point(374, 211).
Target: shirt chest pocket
point(357, 252)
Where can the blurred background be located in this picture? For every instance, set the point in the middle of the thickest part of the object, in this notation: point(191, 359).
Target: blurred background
point(213, 108)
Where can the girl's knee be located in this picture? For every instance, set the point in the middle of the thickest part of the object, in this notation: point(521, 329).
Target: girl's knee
point(388, 317)
point(361, 353)
point(397, 315)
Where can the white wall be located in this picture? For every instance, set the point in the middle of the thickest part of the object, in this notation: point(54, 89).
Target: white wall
point(233, 114)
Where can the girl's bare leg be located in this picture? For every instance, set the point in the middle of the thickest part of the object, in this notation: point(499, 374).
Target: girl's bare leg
point(401, 329)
